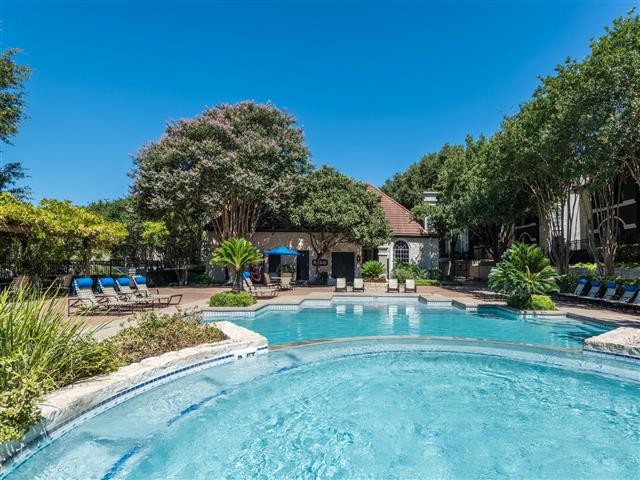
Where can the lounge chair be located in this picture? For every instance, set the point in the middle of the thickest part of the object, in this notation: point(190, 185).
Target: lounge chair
point(580, 287)
point(267, 279)
point(106, 286)
point(410, 285)
point(626, 297)
point(341, 284)
point(593, 291)
point(393, 286)
point(22, 282)
point(86, 302)
point(612, 288)
point(358, 285)
point(143, 291)
point(259, 292)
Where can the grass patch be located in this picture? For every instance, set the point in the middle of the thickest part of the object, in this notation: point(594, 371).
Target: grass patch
point(155, 334)
point(231, 299)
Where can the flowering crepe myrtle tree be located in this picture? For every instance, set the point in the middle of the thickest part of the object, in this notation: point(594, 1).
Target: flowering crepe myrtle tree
point(335, 209)
point(233, 163)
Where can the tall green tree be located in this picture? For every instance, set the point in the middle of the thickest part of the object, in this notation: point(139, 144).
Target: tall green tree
point(233, 163)
point(539, 146)
point(336, 209)
point(408, 187)
point(12, 106)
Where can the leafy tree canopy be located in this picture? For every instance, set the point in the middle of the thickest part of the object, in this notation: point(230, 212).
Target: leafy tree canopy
point(408, 187)
point(233, 163)
point(336, 209)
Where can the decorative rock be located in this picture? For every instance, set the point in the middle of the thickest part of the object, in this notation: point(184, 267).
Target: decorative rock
point(621, 341)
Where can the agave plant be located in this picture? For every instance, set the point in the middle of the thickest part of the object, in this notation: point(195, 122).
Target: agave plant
point(236, 254)
point(524, 271)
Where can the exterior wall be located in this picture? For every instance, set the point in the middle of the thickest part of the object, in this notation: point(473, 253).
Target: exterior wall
point(297, 241)
point(423, 251)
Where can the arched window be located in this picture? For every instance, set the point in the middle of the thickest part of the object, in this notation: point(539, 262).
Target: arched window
point(400, 252)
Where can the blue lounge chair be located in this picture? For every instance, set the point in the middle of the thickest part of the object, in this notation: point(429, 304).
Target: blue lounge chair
point(580, 287)
point(612, 288)
point(143, 291)
point(86, 302)
point(593, 291)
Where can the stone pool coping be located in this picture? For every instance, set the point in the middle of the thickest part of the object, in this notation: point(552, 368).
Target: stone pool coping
point(62, 409)
point(623, 341)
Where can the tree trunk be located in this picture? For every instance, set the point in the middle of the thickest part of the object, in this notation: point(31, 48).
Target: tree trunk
point(604, 214)
point(237, 282)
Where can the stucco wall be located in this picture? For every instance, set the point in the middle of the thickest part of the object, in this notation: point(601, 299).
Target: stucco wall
point(298, 241)
point(423, 251)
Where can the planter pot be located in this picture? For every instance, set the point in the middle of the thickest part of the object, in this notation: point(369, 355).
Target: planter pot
point(375, 286)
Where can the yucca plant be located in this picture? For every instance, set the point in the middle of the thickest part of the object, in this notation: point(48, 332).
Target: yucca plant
point(236, 254)
point(41, 349)
point(372, 269)
point(524, 270)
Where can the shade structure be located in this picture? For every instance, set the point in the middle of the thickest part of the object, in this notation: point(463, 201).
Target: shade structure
point(281, 250)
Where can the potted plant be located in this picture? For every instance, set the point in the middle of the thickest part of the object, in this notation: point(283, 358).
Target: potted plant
point(372, 272)
point(286, 270)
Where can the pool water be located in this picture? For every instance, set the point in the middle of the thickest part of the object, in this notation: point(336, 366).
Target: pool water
point(367, 409)
point(349, 318)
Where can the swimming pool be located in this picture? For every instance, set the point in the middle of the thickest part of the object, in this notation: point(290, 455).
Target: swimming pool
point(383, 408)
point(378, 316)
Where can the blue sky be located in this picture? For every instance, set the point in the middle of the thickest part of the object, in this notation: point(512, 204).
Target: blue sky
point(375, 84)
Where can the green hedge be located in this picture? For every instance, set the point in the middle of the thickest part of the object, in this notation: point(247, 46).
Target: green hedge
point(231, 299)
point(536, 302)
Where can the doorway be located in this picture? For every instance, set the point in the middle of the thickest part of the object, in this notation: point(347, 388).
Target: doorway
point(302, 266)
point(343, 265)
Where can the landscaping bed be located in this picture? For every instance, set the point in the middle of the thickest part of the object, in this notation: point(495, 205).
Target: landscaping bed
point(41, 350)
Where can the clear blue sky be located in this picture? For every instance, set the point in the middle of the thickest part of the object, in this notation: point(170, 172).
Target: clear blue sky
point(374, 84)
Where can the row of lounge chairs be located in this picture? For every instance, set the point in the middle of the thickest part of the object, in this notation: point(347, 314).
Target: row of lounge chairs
point(392, 285)
point(116, 296)
point(595, 291)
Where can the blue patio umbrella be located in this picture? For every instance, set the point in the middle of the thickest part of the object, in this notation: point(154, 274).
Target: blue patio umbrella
point(281, 250)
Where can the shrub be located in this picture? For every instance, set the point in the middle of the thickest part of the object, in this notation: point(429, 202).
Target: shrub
point(403, 271)
point(286, 269)
point(534, 302)
point(41, 350)
point(372, 269)
point(524, 271)
point(231, 299)
point(628, 253)
point(154, 334)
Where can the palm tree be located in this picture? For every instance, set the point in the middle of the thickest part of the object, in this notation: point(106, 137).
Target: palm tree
point(236, 254)
point(523, 271)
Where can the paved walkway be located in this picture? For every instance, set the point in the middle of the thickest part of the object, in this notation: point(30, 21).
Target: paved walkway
point(469, 294)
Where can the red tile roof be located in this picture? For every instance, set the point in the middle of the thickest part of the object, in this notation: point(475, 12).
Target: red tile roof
point(399, 217)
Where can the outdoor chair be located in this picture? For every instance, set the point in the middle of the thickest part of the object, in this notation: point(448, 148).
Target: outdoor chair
point(393, 286)
point(341, 284)
point(85, 301)
point(410, 285)
point(267, 279)
point(626, 297)
point(358, 285)
point(612, 288)
point(143, 291)
point(259, 292)
point(18, 283)
point(106, 286)
point(580, 287)
point(593, 291)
